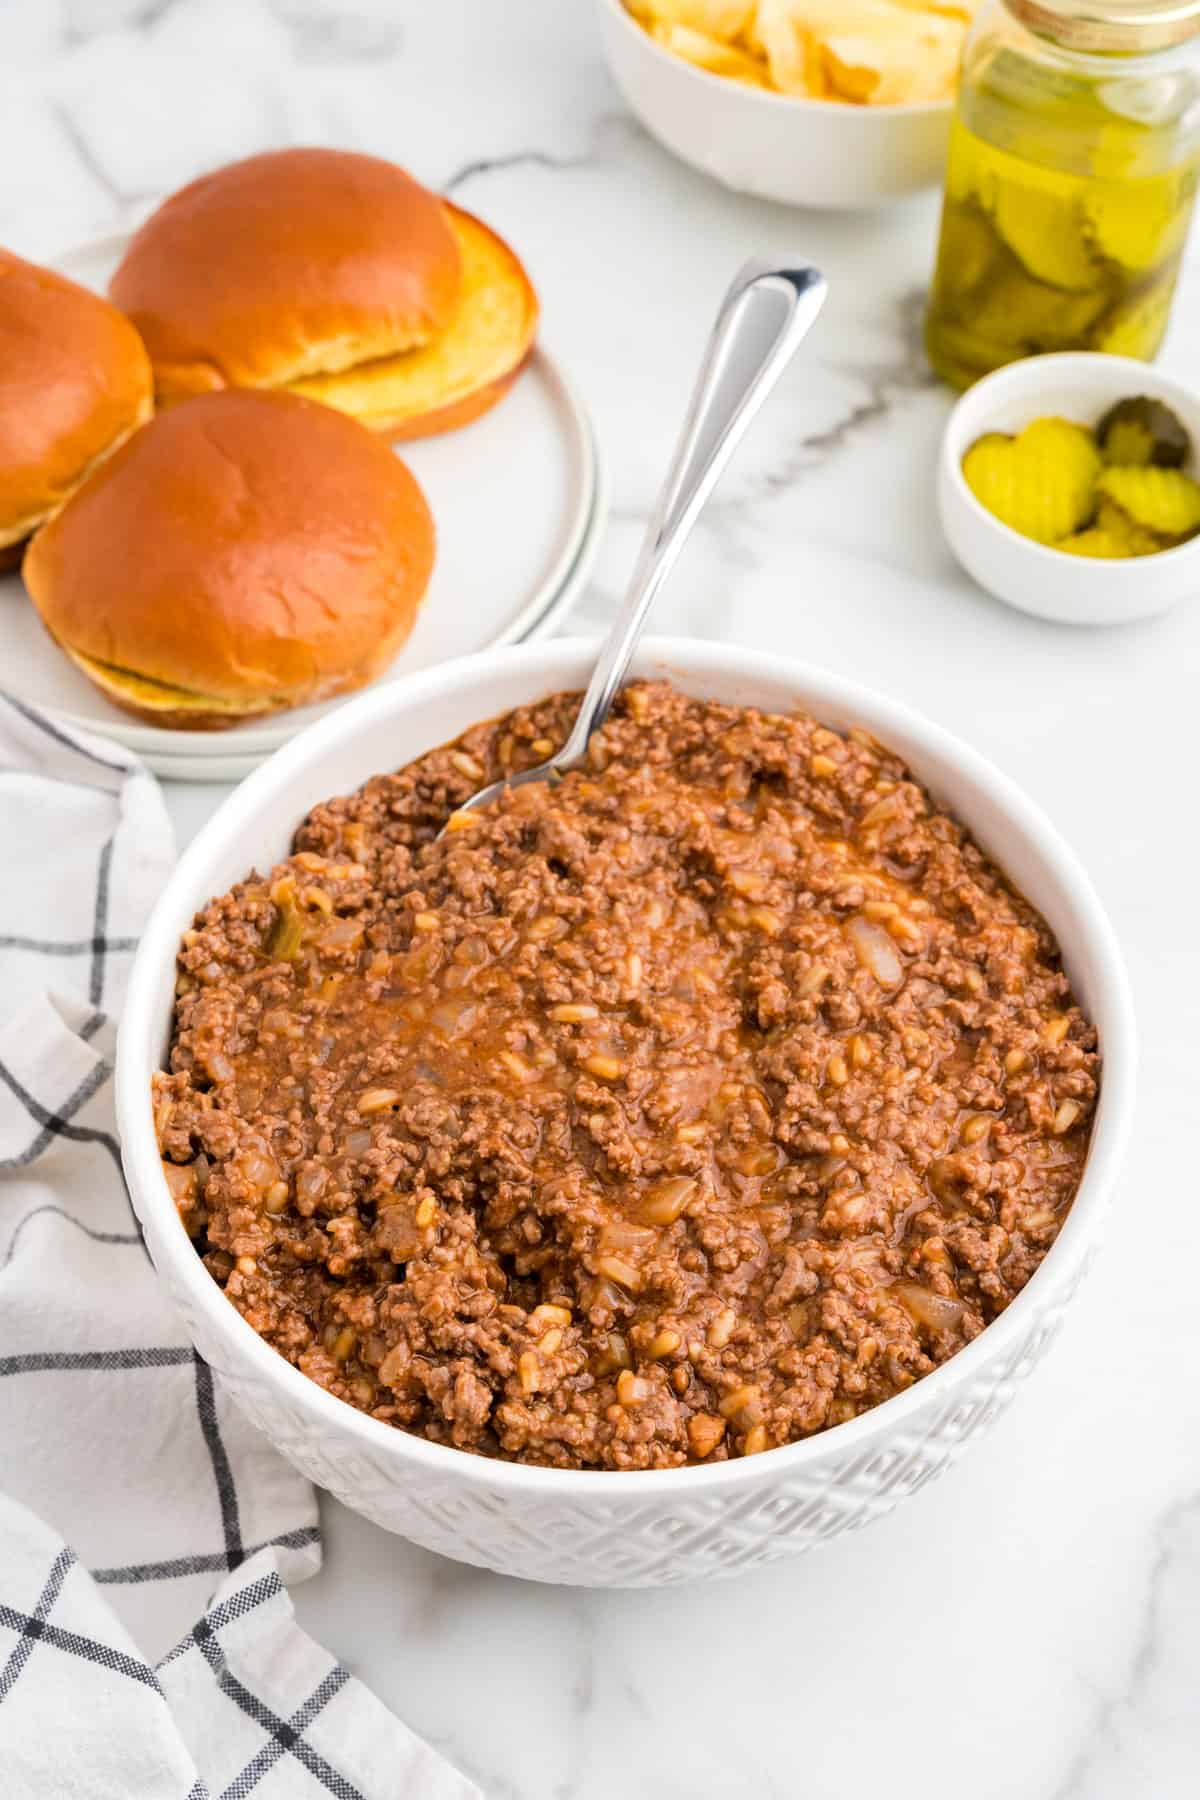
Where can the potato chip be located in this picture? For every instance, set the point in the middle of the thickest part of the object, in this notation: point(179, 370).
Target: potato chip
point(875, 52)
point(723, 20)
point(793, 58)
point(711, 54)
point(914, 64)
point(946, 9)
point(866, 52)
point(889, 73)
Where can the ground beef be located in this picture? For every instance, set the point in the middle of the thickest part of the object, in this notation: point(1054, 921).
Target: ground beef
point(682, 1109)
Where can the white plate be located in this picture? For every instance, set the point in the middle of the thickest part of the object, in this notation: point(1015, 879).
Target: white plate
point(515, 498)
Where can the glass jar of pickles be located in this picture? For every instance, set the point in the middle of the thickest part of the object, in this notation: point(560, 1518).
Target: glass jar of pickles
point(1069, 188)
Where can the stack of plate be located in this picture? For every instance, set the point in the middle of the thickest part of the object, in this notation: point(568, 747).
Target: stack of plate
point(519, 502)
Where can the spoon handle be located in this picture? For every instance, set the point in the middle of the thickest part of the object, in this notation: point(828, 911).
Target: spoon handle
point(763, 317)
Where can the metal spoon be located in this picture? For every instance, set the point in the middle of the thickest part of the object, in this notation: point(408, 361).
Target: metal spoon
point(763, 317)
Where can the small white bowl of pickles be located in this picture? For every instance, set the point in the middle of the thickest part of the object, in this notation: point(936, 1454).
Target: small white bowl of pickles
point(1069, 486)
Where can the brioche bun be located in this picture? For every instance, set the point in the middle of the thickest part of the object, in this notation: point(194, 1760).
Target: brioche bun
point(464, 371)
point(245, 553)
point(74, 382)
point(335, 275)
point(292, 263)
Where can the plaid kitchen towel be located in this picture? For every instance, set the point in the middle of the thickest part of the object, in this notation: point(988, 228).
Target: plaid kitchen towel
point(113, 1438)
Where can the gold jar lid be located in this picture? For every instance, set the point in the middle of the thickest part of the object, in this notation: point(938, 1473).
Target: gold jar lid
point(1131, 27)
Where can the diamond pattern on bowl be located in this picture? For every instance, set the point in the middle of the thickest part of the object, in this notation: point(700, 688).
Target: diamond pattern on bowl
point(633, 1539)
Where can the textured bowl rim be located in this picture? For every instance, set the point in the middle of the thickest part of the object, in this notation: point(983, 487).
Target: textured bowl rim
point(794, 102)
point(1023, 376)
point(139, 1042)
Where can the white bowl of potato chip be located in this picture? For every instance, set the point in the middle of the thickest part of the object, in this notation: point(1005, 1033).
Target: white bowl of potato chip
point(835, 103)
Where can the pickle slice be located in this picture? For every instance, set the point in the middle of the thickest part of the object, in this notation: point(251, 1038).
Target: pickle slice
point(1136, 224)
point(1094, 540)
point(1027, 314)
point(1045, 231)
point(1140, 431)
point(1041, 483)
point(967, 250)
point(1165, 502)
point(1119, 526)
point(1136, 326)
point(959, 355)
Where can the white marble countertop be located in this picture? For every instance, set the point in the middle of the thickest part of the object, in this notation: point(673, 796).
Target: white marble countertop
point(1030, 1626)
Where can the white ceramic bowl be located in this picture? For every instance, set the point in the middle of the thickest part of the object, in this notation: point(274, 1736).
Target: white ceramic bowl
point(803, 152)
point(1075, 590)
point(594, 1528)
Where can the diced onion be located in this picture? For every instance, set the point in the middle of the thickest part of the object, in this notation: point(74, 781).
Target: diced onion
point(875, 950)
point(937, 1311)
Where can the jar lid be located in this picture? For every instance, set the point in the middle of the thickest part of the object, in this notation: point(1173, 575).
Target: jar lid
point(1131, 26)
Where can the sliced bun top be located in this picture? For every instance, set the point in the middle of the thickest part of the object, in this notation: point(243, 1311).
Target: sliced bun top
point(257, 549)
point(292, 263)
point(462, 372)
point(74, 381)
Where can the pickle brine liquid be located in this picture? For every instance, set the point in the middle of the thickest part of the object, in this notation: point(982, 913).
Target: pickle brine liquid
point(1063, 224)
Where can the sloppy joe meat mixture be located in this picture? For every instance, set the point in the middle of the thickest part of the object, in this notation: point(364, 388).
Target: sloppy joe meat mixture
point(678, 1110)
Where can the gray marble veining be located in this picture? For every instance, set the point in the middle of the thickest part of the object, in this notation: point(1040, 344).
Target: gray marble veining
point(1028, 1629)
